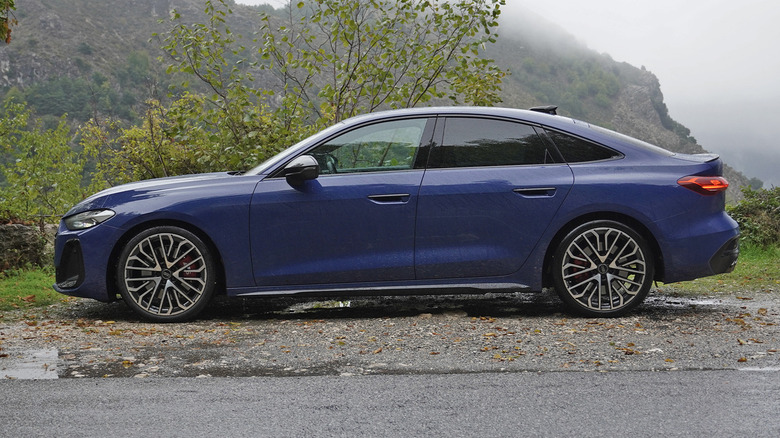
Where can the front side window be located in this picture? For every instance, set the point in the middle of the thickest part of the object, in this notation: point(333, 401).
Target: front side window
point(470, 142)
point(382, 146)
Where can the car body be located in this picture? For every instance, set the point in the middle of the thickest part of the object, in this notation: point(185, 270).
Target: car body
point(426, 200)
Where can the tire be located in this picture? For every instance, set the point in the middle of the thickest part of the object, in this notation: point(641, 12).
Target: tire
point(603, 268)
point(166, 274)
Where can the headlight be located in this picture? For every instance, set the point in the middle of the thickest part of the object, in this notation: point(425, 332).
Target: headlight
point(87, 219)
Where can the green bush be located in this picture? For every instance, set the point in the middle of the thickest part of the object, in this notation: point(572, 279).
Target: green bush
point(758, 215)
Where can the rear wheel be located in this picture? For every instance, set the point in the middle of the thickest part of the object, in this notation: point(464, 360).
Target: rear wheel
point(603, 268)
point(166, 274)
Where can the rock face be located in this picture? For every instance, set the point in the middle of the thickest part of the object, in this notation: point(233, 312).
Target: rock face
point(22, 245)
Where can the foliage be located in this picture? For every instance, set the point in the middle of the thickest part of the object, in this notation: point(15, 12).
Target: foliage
point(6, 19)
point(229, 127)
point(95, 95)
point(183, 138)
point(758, 215)
point(341, 58)
point(44, 175)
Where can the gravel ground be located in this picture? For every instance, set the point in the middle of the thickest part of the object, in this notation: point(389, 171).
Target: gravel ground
point(398, 335)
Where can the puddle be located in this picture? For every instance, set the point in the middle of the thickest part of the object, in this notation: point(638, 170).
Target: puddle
point(29, 364)
point(683, 301)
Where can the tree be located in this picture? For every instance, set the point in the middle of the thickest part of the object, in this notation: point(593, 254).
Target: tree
point(341, 58)
point(229, 125)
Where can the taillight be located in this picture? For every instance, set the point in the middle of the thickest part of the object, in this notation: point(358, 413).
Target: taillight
point(705, 185)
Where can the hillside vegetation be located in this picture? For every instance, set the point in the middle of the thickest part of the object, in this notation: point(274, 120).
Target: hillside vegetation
point(99, 64)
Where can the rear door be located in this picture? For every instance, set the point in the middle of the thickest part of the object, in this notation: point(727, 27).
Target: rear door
point(490, 191)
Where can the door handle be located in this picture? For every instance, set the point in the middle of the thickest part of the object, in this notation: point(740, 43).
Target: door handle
point(536, 192)
point(394, 198)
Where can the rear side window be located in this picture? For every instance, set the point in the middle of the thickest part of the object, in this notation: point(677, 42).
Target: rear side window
point(470, 142)
point(576, 150)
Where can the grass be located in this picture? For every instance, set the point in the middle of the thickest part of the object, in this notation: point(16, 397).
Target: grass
point(27, 288)
point(758, 270)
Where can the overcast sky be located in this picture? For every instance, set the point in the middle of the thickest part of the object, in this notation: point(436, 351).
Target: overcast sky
point(717, 61)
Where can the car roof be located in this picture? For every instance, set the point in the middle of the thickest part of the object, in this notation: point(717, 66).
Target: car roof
point(521, 114)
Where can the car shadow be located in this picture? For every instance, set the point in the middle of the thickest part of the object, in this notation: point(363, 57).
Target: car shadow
point(492, 304)
point(519, 305)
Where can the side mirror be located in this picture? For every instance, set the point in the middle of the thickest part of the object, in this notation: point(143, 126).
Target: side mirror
point(301, 169)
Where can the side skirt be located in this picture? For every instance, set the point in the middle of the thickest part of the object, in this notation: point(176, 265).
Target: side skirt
point(344, 289)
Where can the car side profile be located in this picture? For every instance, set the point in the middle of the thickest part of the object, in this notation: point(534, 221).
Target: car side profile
point(425, 200)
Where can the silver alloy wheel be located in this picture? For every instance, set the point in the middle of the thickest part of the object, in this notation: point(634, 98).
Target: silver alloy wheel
point(605, 269)
point(165, 274)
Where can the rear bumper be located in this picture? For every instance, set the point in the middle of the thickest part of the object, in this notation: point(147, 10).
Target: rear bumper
point(697, 249)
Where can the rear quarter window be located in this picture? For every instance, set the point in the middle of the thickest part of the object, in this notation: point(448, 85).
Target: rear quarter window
point(577, 150)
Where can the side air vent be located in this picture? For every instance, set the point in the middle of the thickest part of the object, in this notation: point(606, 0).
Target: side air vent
point(70, 272)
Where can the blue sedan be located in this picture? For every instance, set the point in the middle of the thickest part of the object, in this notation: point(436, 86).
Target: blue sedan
point(428, 200)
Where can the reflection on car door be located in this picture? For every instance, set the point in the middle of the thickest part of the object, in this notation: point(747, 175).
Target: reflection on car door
point(355, 222)
point(491, 189)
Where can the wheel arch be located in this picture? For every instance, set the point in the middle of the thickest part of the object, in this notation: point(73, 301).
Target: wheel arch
point(111, 279)
point(624, 219)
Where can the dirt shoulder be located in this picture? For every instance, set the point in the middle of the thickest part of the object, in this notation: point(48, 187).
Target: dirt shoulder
point(415, 335)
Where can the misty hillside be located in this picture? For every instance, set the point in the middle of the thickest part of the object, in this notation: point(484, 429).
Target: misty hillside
point(90, 57)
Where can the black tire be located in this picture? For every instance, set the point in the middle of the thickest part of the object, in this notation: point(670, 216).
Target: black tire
point(166, 274)
point(603, 268)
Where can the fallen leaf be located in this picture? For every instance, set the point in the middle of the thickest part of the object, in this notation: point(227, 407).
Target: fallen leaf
point(742, 359)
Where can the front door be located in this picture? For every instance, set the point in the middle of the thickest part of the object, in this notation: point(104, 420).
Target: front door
point(355, 222)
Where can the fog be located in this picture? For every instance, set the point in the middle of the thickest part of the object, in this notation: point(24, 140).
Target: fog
point(717, 61)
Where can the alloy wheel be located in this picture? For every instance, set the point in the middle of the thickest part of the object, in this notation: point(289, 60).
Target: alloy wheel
point(165, 275)
point(603, 270)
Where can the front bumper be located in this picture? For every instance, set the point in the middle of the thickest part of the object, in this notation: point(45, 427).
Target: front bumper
point(82, 262)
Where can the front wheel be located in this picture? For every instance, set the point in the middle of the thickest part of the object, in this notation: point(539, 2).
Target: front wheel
point(166, 274)
point(603, 268)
